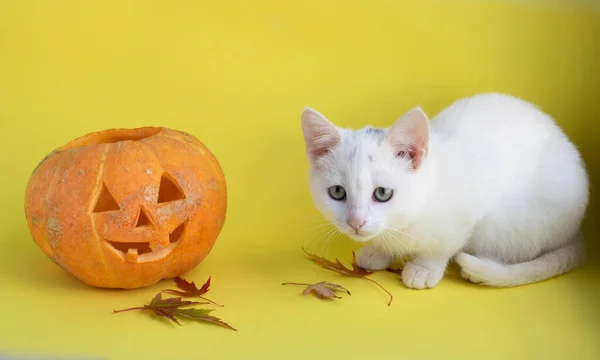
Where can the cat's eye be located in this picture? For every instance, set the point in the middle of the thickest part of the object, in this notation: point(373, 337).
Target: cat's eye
point(337, 192)
point(382, 194)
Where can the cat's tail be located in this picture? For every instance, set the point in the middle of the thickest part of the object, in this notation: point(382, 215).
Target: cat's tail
point(492, 273)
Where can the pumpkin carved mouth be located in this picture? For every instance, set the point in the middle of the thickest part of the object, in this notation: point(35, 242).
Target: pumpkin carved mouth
point(139, 252)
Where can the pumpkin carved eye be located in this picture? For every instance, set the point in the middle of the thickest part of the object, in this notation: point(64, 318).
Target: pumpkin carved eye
point(169, 190)
point(105, 201)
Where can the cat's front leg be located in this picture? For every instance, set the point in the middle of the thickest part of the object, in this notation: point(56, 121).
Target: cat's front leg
point(371, 258)
point(423, 273)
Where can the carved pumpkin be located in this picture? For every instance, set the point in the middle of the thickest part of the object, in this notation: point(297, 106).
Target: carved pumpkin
point(125, 208)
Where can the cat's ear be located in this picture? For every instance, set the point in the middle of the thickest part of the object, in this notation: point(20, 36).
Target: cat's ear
point(409, 136)
point(320, 135)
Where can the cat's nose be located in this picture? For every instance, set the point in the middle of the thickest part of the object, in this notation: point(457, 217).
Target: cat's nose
point(356, 222)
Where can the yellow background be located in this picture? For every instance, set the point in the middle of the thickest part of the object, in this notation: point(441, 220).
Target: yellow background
point(236, 74)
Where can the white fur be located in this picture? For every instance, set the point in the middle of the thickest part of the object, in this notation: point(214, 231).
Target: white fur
point(500, 189)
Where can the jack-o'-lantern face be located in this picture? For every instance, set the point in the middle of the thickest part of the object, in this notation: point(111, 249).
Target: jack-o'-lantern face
point(156, 229)
point(127, 207)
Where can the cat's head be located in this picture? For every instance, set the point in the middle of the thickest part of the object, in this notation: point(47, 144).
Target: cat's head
point(370, 181)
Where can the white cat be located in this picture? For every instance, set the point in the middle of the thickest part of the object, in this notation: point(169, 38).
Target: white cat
point(492, 182)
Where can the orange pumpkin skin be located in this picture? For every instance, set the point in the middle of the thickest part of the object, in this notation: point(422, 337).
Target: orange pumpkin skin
point(125, 208)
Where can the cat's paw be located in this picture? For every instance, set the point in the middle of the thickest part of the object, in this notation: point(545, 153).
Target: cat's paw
point(370, 258)
point(416, 276)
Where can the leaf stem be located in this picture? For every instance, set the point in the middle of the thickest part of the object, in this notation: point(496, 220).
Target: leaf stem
point(183, 294)
point(382, 288)
point(210, 301)
point(129, 309)
point(295, 283)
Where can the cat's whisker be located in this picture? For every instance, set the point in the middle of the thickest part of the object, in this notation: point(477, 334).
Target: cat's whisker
point(419, 241)
point(317, 226)
point(392, 248)
point(403, 233)
point(381, 242)
point(389, 246)
point(397, 245)
point(331, 241)
point(322, 230)
point(328, 237)
point(315, 237)
point(414, 237)
point(328, 245)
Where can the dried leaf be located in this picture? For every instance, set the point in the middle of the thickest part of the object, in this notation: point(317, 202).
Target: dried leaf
point(189, 289)
point(356, 270)
point(162, 307)
point(322, 290)
point(202, 315)
point(171, 308)
point(338, 267)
